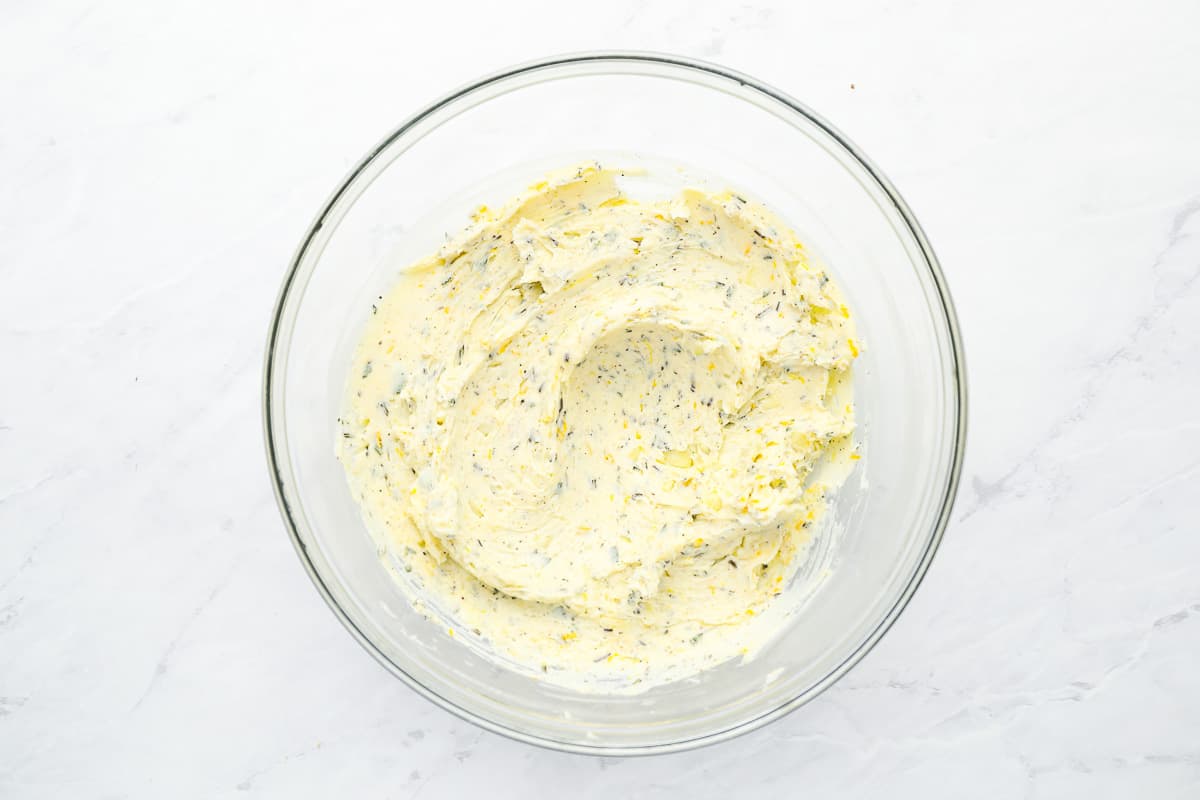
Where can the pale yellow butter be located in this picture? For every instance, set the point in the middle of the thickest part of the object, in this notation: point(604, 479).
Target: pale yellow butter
point(587, 426)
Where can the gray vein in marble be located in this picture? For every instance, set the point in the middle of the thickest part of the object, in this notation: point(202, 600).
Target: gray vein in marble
point(247, 783)
point(9, 705)
point(22, 566)
point(992, 491)
point(164, 660)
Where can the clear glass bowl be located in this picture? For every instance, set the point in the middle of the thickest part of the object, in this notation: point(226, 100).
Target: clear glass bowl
point(480, 145)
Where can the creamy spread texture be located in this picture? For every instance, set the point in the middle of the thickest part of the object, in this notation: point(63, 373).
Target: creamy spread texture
point(587, 427)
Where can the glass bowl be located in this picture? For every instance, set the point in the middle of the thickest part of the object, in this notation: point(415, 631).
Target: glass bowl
point(483, 143)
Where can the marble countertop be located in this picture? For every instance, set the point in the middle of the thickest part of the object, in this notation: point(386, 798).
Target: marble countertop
point(158, 164)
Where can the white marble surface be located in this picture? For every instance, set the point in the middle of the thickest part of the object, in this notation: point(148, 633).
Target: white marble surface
point(158, 163)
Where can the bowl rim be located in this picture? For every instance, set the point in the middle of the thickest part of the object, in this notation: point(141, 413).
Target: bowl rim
point(958, 374)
